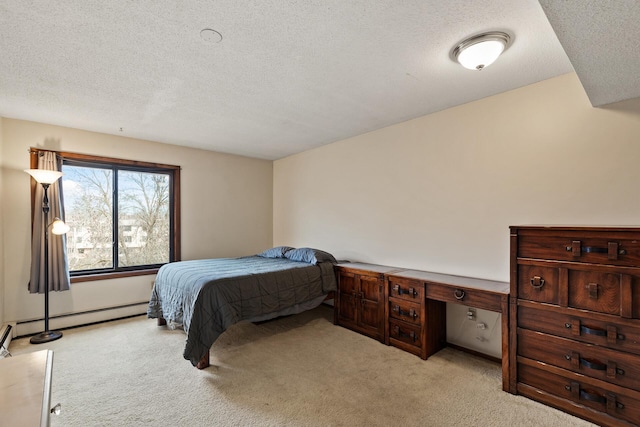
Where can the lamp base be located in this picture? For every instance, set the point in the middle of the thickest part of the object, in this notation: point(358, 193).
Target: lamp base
point(45, 336)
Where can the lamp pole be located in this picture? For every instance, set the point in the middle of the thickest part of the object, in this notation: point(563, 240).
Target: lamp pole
point(46, 178)
point(47, 335)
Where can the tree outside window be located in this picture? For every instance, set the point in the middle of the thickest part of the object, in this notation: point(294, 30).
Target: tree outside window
point(120, 218)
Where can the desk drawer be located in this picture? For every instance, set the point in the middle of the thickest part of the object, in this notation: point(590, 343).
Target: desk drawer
point(406, 289)
point(594, 361)
point(461, 295)
point(406, 333)
point(405, 310)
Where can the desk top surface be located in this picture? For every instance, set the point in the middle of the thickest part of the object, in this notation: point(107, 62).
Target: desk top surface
point(486, 285)
point(375, 268)
point(456, 281)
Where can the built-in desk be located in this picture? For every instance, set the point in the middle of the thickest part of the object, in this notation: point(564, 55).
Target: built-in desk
point(25, 389)
point(407, 308)
point(443, 288)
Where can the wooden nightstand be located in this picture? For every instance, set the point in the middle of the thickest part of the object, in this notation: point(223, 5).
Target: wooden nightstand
point(360, 298)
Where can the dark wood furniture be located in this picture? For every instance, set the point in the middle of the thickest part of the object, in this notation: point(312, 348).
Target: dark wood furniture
point(412, 323)
point(439, 289)
point(407, 308)
point(575, 333)
point(360, 302)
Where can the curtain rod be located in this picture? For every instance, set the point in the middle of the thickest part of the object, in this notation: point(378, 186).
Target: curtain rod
point(40, 150)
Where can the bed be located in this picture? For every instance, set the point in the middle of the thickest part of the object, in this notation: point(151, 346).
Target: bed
point(205, 297)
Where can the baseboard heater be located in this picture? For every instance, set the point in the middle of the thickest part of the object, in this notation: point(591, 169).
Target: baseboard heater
point(74, 320)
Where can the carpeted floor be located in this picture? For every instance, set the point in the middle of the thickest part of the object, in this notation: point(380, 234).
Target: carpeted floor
point(295, 371)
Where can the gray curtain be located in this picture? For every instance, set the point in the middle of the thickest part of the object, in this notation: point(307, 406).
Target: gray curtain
point(58, 266)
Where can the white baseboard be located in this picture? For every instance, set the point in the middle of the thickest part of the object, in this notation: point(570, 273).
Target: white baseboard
point(79, 319)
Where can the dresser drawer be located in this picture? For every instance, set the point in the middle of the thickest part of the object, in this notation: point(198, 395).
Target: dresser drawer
point(406, 289)
point(597, 362)
point(595, 247)
point(578, 325)
point(598, 290)
point(538, 283)
point(474, 297)
point(595, 291)
point(615, 401)
point(405, 310)
point(405, 332)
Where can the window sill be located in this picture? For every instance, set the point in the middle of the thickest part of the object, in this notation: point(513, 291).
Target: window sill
point(112, 275)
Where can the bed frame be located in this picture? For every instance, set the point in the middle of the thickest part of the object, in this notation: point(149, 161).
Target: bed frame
point(204, 362)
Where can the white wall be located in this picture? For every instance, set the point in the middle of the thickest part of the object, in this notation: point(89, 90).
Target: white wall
point(439, 192)
point(226, 210)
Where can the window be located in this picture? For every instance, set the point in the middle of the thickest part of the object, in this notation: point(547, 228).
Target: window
point(123, 215)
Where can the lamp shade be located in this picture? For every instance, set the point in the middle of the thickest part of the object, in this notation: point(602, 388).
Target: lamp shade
point(44, 176)
point(478, 52)
point(59, 227)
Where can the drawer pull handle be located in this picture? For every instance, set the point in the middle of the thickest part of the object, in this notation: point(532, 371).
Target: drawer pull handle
point(411, 291)
point(589, 249)
point(612, 250)
point(611, 368)
point(592, 288)
point(537, 282)
point(593, 331)
point(610, 400)
point(592, 397)
point(458, 294)
point(411, 313)
point(610, 333)
point(593, 365)
point(594, 250)
point(399, 333)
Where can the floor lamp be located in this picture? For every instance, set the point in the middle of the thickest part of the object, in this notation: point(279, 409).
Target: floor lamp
point(46, 178)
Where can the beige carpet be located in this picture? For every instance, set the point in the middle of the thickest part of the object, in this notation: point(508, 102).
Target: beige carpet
point(295, 371)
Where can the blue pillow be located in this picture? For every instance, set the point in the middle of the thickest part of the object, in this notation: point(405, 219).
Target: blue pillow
point(277, 252)
point(309, 255)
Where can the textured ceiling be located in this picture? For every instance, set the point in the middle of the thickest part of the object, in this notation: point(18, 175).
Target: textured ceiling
point(602, 39)
point(287, 76)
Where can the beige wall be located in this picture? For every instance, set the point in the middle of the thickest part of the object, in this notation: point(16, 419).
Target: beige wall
point(226, 207)
point(2, 203)
point(439, 192)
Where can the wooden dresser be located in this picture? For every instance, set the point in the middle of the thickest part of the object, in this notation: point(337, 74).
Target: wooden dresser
point(574, 320)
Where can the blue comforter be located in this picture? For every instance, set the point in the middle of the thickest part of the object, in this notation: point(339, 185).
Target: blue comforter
point(208, 296)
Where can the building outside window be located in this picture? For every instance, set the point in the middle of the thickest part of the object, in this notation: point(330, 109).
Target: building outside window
point(120, 216)
point(124, 215)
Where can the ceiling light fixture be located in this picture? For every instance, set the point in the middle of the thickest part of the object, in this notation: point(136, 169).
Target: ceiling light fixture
point(478, 52)
point(210, 36)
